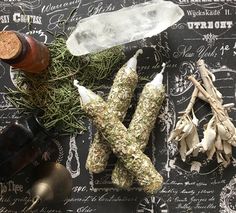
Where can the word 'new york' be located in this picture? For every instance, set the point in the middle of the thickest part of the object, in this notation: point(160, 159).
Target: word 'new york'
point(210, 24)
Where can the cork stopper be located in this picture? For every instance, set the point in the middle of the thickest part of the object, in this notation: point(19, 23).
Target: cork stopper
point(10, 45)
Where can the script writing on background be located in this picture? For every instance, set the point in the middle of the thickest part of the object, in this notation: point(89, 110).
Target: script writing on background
point(206, 31)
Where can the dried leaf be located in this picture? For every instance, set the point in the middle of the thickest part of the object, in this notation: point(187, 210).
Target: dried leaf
point(227, 148)
point(174, 134)
point(228, 106)
point(219, 157)
point(192, 141)
point(210, 153)
point(195, 120)
point(183, 149)
point(218, 94)
point(211, 75)
point(223, 159)
point(209, 136)
point(227, 131)
point(233, 139)
point(227, 160)
point(218, 143)
point(183, 128)
point(187, 130)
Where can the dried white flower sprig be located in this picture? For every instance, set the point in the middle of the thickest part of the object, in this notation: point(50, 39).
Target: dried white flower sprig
point(224, 136)
point(185, 131)
point(219, 133)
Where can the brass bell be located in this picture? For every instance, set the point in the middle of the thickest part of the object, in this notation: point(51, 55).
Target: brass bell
point(51, 177)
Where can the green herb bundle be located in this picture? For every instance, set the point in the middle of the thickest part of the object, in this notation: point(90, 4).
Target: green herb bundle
point(53, 92)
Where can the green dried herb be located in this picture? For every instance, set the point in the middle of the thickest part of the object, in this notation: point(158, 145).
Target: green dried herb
point(53, 92)
point(140, 127)
point(118, 102)
point(124, 146)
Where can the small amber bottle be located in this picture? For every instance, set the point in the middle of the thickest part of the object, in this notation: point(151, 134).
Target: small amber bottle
point(23, 51)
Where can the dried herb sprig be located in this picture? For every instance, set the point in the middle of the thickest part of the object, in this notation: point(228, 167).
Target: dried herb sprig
point(221, 130)
point(219, 133)
point(185, 131)
point(53, 92)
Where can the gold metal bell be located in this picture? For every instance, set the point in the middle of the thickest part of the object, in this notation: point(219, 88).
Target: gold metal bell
point(51, 177)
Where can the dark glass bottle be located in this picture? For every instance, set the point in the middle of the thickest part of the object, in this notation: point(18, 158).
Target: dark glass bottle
point(23, 51)
point(21, 143)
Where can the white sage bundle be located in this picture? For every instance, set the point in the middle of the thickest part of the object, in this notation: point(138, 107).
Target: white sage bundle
point(219, 135)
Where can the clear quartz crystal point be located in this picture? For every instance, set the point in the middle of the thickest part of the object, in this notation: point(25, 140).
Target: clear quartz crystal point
point(106, 30)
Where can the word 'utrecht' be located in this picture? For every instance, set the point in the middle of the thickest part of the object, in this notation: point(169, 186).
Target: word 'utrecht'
point(210, 24)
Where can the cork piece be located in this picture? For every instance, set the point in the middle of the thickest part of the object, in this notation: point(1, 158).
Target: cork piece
point(10, 45)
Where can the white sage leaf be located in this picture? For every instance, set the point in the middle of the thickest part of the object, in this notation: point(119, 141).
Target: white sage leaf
point(183, 149)
point(219, 157)
point(218, 143)
point(195, 120)
point(210, 153)
point(209, 135)
point(227, 148)
point(192, 141)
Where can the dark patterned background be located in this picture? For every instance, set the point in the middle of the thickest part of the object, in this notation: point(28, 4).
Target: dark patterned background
point(207, 31)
